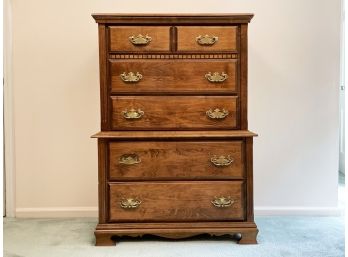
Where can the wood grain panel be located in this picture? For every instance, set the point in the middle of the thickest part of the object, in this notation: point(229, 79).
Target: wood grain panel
point(244, 76)
point(176, 160)
point(249, 175)
point(119, 38)
point(102, 179)
point(104, 100)
point(174, 112)
point(176, 201)
point(173, 76)
point(227, 38)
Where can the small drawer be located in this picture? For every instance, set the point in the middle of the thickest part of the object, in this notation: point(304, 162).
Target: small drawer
point(168, 160)
point(139, 38)
point(205, 39)
point(176, 201)
point(187, 76)
point(174, 112)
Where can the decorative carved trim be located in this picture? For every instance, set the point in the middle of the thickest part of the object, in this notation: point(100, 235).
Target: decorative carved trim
point(243, 235)
point(173, 56)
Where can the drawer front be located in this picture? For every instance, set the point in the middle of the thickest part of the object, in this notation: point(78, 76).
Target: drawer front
point(176, 201)
point(205, 39)
point(141, 76)
point(139, 38)
point(176, 160)
point(174, 112)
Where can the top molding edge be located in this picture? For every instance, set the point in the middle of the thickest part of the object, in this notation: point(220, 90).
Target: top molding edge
point(129, 18)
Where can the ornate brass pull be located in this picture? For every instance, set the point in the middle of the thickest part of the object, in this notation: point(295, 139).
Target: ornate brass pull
point(206, 40)
point(131, 77)
point(221, 160)
point(140, 39)
point(216, 77)
point(130, 203)
point(129, 159)
point(222, 202)
point(217, 113)
point(132, 114)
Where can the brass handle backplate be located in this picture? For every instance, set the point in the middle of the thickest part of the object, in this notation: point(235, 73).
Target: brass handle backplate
point(130, 203)
point(216, 77)
point(131, 77)
point(129, 159)
point(221, 160)
point(222, 202)
point(217, 113)
point(132, 114)
point(206, 40)
point(140, 39)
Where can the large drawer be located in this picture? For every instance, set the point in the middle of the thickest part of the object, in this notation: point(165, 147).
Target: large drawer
point(176, 201)
point(139, 38)
point(215, 76)
point(168, 160)
point(207, 38)
point(174, 112)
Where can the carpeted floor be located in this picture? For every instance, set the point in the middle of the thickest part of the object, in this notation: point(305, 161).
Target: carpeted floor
point(278, 237)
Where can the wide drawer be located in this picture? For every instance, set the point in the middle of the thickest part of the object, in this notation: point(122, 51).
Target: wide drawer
point(174, 112)
point(139, 38)
point(215, 76)
point(207, 38)
point(168, 160)
point(176, 201)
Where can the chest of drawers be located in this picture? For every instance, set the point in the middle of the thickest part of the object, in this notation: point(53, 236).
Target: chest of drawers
point(174, 151)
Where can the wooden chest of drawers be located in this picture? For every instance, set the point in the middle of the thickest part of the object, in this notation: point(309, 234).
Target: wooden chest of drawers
point(175, 153)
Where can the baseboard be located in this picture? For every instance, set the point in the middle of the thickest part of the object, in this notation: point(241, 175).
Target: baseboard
point(66, 212)
point(298, 211)
point(63, 212)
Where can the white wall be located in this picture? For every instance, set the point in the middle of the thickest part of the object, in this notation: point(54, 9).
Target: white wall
point(293, 101)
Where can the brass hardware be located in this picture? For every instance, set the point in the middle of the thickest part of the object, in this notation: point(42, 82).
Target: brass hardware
point(131, 77)
point(221, 160)
point(216, 77)
point(206, 40)
point(132, 114)
point(222, 202)
point(129, 159)
point(217, 113)
point(140, 39)
point(130, 203)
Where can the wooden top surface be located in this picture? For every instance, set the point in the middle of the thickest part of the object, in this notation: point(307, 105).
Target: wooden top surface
point(189, 18)
point(222, 134)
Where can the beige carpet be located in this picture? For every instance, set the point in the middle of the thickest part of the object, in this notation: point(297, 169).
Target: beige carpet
point(279, 237)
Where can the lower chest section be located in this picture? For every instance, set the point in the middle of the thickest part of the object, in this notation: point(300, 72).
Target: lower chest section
point(173, 180)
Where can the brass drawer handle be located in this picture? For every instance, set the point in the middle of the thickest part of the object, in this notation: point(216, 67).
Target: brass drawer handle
point(129, 159)
point(222, 202)
point(132, 114)
point(221, 160)
point(130, 203)
point(140, 39)
point(131, 77)
point(217, 113)
point(206, 40)
point(216, 77)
